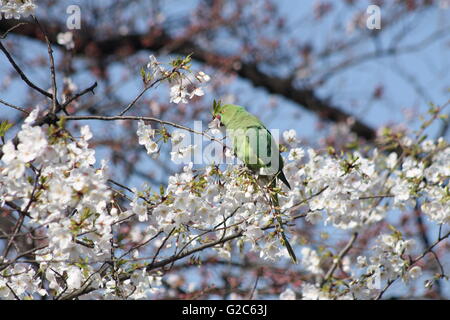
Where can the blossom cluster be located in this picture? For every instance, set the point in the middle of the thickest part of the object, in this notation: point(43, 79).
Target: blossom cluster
point(14, 9)
point(348, 192)
point(387, 262)
point(50, 176)
point(146, 135)
point(184, 84)
point(426, 176)
point(342, 191)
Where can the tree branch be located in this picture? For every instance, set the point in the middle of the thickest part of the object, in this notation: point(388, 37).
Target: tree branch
point(157, 39)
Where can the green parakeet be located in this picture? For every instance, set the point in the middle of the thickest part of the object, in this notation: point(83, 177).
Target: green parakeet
point(254, 145)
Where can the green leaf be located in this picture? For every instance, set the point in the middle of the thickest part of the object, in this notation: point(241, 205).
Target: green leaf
point(62, 122)
point(143, 75)
point(4, 126)
point(422, 138)
point(216, 106)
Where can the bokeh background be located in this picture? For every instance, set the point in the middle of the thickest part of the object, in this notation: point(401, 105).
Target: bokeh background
point(308, 65)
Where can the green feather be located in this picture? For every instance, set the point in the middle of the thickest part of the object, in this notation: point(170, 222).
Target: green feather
point(254, 145)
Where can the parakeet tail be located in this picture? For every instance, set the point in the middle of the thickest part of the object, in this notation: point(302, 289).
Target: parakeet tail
point(284, 239)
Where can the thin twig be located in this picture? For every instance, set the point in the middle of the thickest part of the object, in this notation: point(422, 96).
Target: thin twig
point(22, 74)
point(76, 96)
point(160, 247)
point(23, 214)
point(140, 95)
point(137, 118)
point(14, 106)
point(22, 254)
point(254, 287)
point(14, 294)
point(3, 36)
point(341, 255)
point(55, 102)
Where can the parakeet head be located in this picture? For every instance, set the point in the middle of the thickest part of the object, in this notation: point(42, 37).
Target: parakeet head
point(224, 113)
